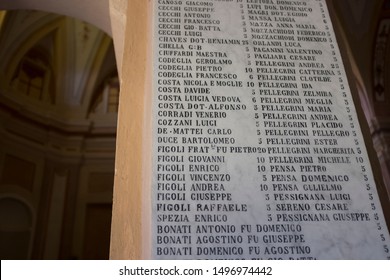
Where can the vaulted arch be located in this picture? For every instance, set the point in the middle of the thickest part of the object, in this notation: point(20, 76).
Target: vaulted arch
point(16, 228)
point(108, 15)
point(95, 12)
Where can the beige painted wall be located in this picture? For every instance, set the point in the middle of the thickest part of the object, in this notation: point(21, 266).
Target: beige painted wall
point(129, 213)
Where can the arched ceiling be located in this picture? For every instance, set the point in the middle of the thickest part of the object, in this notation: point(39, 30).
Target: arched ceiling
point(92, 11)
point(108, 15)
point(53, 69)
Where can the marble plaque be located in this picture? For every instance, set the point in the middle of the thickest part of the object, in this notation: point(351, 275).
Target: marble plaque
point(257, 149)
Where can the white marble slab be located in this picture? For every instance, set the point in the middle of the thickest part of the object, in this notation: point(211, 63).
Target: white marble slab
point(257, 150)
